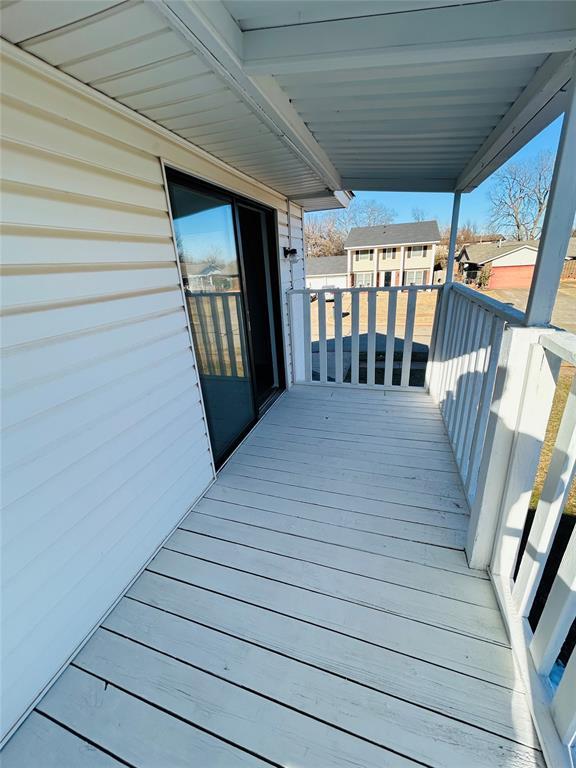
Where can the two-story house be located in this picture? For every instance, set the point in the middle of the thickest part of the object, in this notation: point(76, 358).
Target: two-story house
point(392, 254)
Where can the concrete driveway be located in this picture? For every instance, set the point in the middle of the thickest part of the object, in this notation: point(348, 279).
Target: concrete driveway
point(564, 315)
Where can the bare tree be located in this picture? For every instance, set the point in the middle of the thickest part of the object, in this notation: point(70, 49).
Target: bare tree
point(326, 233)
point(518, 197)
point(418, 214)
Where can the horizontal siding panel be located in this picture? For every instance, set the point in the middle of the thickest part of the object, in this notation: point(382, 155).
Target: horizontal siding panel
point(28, 165)
point(50, 430)
point(48, 286)
point(93, 597)
point(27, 328)
point(41, 245)
point(30, 402)
point(36, 364)
point(41, 468)
point(46, 537)
point(51, 132)
point(51, 208)
point(153, 481)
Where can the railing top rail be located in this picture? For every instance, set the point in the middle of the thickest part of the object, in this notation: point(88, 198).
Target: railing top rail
point(510, 314)
point(367, 289)
point(562, 344)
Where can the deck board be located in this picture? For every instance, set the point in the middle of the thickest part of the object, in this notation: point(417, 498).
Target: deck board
point(314, 609)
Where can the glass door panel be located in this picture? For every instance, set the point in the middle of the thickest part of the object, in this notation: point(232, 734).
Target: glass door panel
point(211, 274)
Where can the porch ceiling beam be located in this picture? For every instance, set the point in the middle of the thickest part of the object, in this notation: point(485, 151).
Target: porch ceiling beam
point(426, 36)
point(542, 100)
point(217, 38)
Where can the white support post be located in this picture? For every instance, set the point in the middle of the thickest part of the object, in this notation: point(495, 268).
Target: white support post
point(402, 256)
point(375, 277)
point(453, 236)
point(558, 221)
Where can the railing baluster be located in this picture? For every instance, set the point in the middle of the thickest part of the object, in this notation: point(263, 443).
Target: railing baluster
point(564, 703)
point(458, 303)
point(468, 404)
point(558, 613)
point(483, 407)
point(390, 338)
point(460, 371)
point(205, 335)
point(371, 347)
point(214, 312)
point(240, 319)
point(338, 356)
point(432, 362)
point(355, 336)
point(306, 310)
point(447, 336)
point(549, 510)
point(408, 334)
point(229, 334)
point(322, 335)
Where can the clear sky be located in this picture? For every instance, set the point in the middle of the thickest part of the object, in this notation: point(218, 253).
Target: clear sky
point(474, 205)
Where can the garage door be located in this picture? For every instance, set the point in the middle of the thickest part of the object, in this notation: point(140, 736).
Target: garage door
point(511, 277)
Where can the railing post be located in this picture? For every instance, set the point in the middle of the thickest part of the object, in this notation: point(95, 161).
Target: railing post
point(453, 236)
point(558, 221)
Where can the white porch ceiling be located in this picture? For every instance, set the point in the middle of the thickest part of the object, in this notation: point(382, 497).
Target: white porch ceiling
point(318, 96)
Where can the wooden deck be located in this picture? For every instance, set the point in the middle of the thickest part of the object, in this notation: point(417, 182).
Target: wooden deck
point(316, 609)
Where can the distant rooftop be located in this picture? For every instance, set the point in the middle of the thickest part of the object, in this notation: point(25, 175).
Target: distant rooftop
point(327, 265)
point(393, 234)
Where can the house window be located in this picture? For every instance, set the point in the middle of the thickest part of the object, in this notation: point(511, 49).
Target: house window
point(364, 279)
point(389, 253)
point(416, 251)
point(414, 277)
point(365, 255)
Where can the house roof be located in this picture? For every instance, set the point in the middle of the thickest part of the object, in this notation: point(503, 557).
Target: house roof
point(480, 253)
point(393, 234)
point(327, 265)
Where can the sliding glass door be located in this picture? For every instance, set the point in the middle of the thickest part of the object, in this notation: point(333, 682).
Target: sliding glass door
point(227, 271)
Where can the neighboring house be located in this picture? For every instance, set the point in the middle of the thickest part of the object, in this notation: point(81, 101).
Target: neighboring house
point(327, 272)
point(511, 263)
point(392, 254)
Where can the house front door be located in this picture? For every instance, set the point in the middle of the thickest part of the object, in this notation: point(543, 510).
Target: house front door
point(230, 279)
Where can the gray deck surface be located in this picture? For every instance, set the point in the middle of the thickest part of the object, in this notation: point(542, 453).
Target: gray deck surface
point(315, 610)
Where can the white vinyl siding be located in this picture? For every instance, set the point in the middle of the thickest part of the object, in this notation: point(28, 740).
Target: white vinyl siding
point(104, 440)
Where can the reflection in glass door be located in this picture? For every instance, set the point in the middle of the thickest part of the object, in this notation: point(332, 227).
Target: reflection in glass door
point(211, 273)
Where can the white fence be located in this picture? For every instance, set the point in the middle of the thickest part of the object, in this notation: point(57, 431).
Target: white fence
point(360, 336)
point(467, 340)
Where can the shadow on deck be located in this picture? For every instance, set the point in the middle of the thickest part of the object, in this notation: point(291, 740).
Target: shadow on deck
point(315, 609)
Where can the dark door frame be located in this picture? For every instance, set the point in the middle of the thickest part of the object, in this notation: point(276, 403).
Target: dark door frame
point(271, 243)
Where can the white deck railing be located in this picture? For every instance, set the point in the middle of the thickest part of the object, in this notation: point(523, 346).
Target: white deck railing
point(467, 340)
point(518, 574)
point(360, 336)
